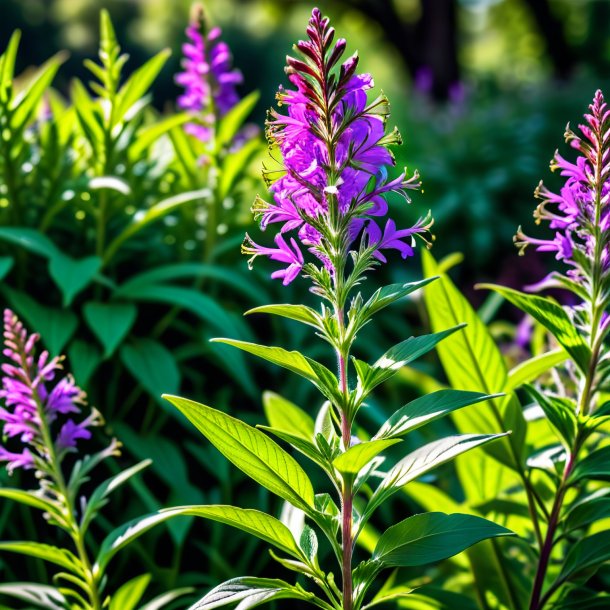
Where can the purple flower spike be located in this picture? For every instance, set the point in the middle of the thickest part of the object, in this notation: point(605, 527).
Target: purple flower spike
point(209, 79)
point(32, 403)
point(580, 213)
point(330, 193)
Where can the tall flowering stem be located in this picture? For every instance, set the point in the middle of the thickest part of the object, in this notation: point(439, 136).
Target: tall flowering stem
point(330, 194)
point(35, 402)
point(208, 78)
point(210, 96)
point(580, 215)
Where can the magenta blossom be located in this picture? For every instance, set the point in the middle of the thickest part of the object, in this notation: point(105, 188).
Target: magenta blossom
point(208, 78)
point(580, 213)
point(33, 402)
point(333, 144)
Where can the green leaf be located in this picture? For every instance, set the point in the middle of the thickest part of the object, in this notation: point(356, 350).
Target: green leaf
point(30, 240)
point(138, 84)
point(431, 537)
point(84, 357)
point(6, 264)
point(55, 326)
point(285, 415)
point(250, 592)
point(161, 601)
point(232, 122)
point(352, 461)
point(300, 313)
point(252, 452)
point(42, 596)
point(130, 594)
point(294, 361)
point(422, 460)
point(46, 552)
point(472, 361)
point(595, 466)
point(396, 357)
point(427, 408)
point(560, 412)
point(304, 445)
point(99, 497)
point(125, 534)
point(254, 522)
point(72, 276)
point(26, 103)
point(554, 318)
point(110, 322)
point(7, 63)
point(530, 370)
point(586, 513)
point(30, 498)
point(236, 163)
point(153, 365)
point(148, 135)
point(153, 214)
point(387, 295)
point(586, 554)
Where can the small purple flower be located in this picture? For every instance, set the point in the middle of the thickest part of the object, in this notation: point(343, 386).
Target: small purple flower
point(208, 78)
point(580, 212)
point(32, 402)
point(334, 148)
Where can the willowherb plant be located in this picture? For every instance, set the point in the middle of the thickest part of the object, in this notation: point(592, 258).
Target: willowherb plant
point(574, 398)
point(42, 424)
point(330, 199)
point(209, 80)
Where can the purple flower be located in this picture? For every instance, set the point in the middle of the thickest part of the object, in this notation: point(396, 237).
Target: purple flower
point(209, 79)
point(580, 212)
point(33, 402)
point(335, 159)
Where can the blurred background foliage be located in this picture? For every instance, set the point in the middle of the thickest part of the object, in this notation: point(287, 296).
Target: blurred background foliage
point(480, 90)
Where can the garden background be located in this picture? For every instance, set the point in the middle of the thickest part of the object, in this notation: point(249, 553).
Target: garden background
point(480, 91)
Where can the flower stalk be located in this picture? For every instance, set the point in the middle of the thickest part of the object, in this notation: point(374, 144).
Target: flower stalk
point(580, 214)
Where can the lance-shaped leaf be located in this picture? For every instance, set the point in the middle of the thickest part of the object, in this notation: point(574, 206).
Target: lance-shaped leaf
point(71, 275)
point(560, 412)
point(250, 592)
point(357, 457)
point(130, 594)
point(586, 513)
point(231, 123)
point(285, 415)
point(395, 358)
point(387, 295)
point(294, 361)
point(125, 534)
point(430, 537)
point(421, 461)
point(41, 596)
point(554, 318)
point(252, 452)
point(595, 466)
point(30, 498)
point(586, 555)
point(252, 521)
point(161, 601)
point(532, 369)
point(99, 497)
point(301, 444)
point(472, 361)
point(300, 313)
point(427, 408)
point(110, 322)
point(46, 552)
